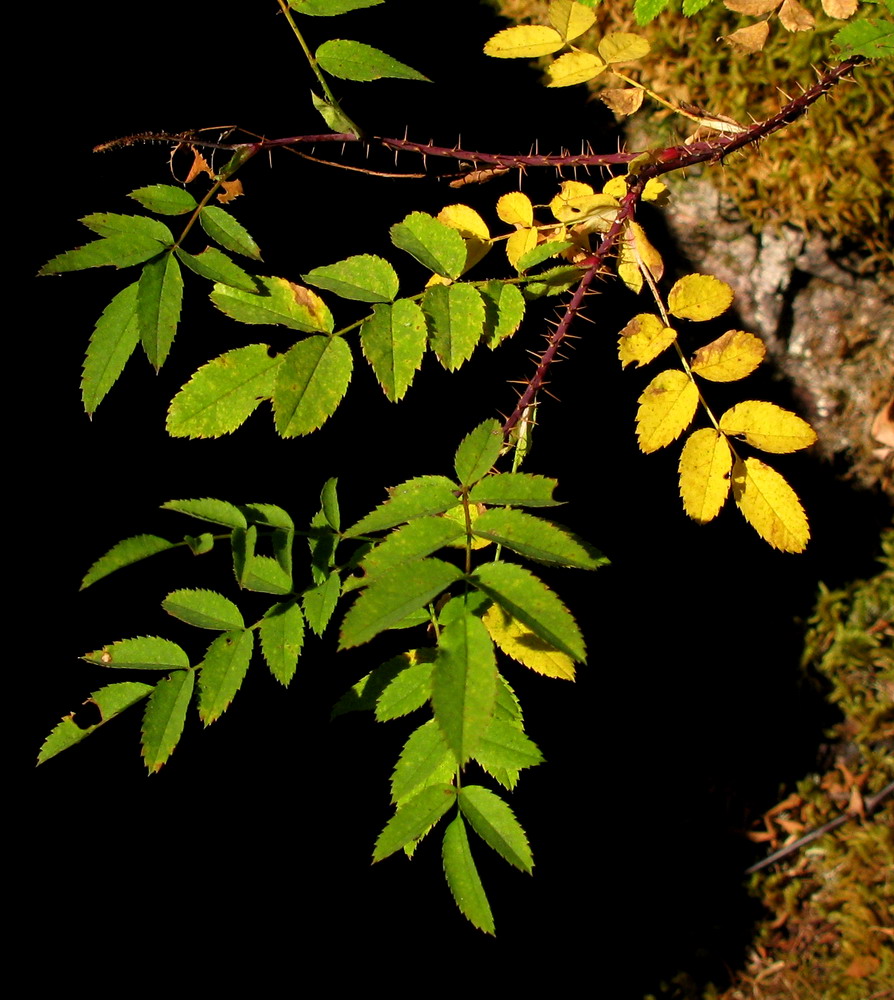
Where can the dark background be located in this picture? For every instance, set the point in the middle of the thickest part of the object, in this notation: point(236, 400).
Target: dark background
point(252, 846)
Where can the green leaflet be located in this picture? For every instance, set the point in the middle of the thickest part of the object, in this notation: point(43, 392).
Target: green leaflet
point(504, 307)
point(647, 10)
point(455, 316)
point(199, 544)
point(356, 61)
point(222, 672)
point(425, 760)
point(329, 502)
point(224, 393)
point(516, 489)
point(414, 498)
point(333, 115)
point(311, 382)
point(110, 700)
point(496, 825)
point(319, 602)
point(438, 247)
point(114, 339)
point(871, 36)
point(505, 750)
point(529, 600)
point(552, 282)
point(118, 251)
point(143, 653)
point(110, 224)
point(165, 716)
point(691, 7)
point(124, 553)
point(406, 692)
point(362, 696)
point(215, 265)
point(165, 199)
point(268, 514)
point(537, 539)
point(277, 303)
point(462, 877)
point(329, 8)
point(266, 576)
point(464, 684)
point(230, 234)
point(393, 342)
point(537, 255)
point(204, 609)
point(282, 636)
point(159, 298)
point(208, 509)
point(478, 451)
point(508, 708)
point(414, 541)
point(365, 278)
point(414, 818)
point(394, 595)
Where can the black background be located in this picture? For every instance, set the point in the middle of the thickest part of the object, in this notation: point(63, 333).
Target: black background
point(250, 850)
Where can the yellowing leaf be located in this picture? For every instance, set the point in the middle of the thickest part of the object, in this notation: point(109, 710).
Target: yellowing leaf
point(730, 357)
point(705, 463)
point(753, 8)
point(466, 220)
point(637, 252)
point(517, 641)
point(516, 209)
point(699, 297)
point(622, 46)
point(616, 187)
point(654, 191)
point(622, 100)
point(666, 409)
point(519, 243)
point(570, 19)
point(526, 41)
point(770, 505)
point(841, 9)
point(643, 339)
point(751, 38)
point(578, 203)
point(572, 68)
point(767, 426)
point(794, 17)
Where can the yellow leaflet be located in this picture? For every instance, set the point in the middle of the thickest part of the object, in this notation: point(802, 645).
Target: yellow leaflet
point(572, 68)
point(616, 187)
point(770, 505)
point(655, 191)
point(570, 19)
point(527, 41)
point(643, 339)
point(699, 297)
point(466, 220)
point(516, 209)
point(666, 409)
point(767, 426)
point(520, 643)
point(795, 17)
point(519, 243)
point(730, 357)
point(631, 260)
point(622, 100)
point(458, 514)
point(621, 46)
point(751, 38)
point(704, 474)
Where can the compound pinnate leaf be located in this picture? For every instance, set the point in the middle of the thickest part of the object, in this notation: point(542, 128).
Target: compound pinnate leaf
point(730, 357)
point(312, 380)
point(159, 299)
point(530, 601)
point(455, 316)
point(330, 8)
point(425, 760)
point(142, 653)
point(462, 878)
point(222, 672)
point(643, 339)
point(110, 700)
point(224, 393)
point(365, 278)
point(393, 341)
point(522, 644)
point(478, 451)
point(278, 303)
point(349, 60)
point(537, 539)
point(111, 224)
point(570, 19)
point(770, 505)
point(394, 595)
point(113, 341)
point(165, 716)
point(623, 46)
point(282, 636)
point(116, 251)
point(228, 232)
point(699, 297)
point(413, 541)
point(208, 509)
point(516, 489)
point(215, 265)
point(496, 825)
point(414, 818)
point(165, 199)
point(417, 497)
point(767, 426)
point(666, 409)
point(125, 553)
point(204, 609)
point(574, 67)
point(436, 246)
point(705, 464)
point(526, 41)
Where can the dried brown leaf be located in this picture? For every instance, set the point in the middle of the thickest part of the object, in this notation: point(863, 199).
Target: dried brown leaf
point(231, 190)
point(751, 38)
point(795, 17)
